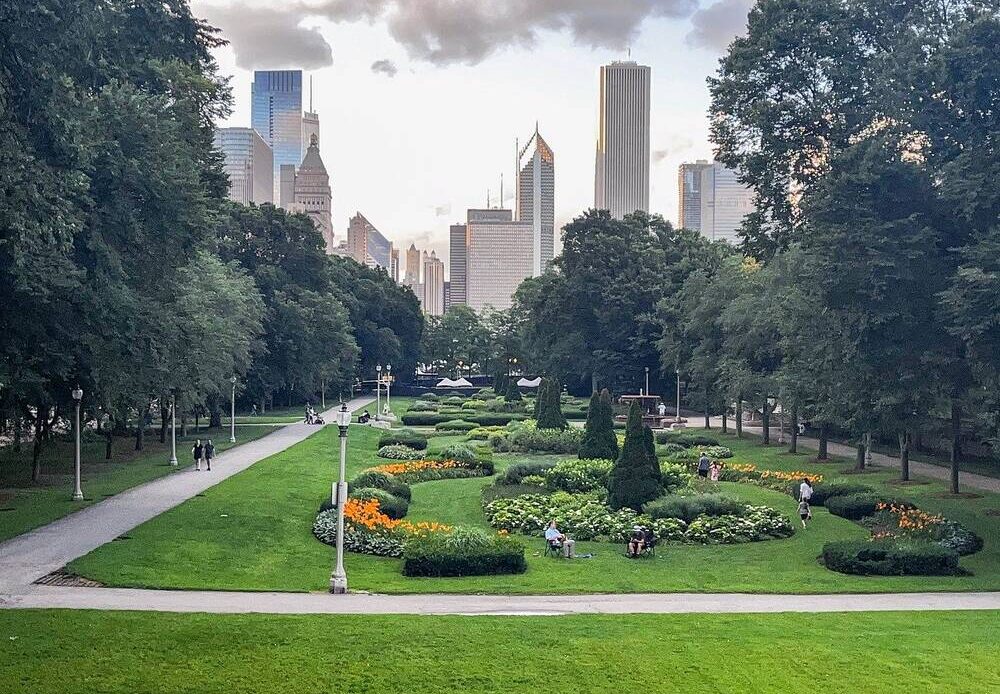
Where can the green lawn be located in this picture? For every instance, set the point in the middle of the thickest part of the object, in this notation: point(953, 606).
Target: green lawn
point(228, 539)
point(24, 506)
point(53, 652)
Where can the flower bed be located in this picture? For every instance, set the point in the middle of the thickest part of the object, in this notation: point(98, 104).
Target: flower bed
point(369, 531)
point(414, 471)
point(891, 521)
point(587, 517)
point(777, 480)
point(398, 451)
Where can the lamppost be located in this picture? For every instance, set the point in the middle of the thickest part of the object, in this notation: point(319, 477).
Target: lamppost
point(678, 411)
point(77, 397)
point(338, 580)
point(388, 383)
point(173, 428)
point(460, 364)
point(647, 380)
point(378, 390)
point(232, 412)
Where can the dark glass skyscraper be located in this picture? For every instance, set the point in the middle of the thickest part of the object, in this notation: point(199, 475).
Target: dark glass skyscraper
point(276, 113)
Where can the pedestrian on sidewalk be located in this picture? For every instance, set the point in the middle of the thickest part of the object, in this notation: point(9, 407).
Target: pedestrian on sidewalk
point(209, 453)
point(198, 451)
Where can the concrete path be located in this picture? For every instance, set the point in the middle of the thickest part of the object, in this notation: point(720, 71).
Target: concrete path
point(322, 603)
point(26, 558)
point(968, 479)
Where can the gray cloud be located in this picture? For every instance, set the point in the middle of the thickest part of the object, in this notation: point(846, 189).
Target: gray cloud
point(659, 155)
point(385, 67)
point(462, 31)
point(718, 24)
point(268, 38)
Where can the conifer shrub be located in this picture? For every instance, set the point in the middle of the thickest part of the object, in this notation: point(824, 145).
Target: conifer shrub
point(599, 440)
point(635, 478)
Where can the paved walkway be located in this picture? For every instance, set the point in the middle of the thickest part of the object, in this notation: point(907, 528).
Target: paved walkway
point(968, 479)
point(28, 557)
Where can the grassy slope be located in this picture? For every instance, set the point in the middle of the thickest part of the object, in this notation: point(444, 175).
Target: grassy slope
point(229, 539)
point(49, 652)
point(25, 506)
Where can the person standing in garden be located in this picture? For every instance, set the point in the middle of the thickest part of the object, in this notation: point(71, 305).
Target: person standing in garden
point(805, 513)
point(703, 464)
point(805, 490)
point(197, 451)
point(209, 454)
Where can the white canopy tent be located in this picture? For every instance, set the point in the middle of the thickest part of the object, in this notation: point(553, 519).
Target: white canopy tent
point(529, 383)
point(451, 383)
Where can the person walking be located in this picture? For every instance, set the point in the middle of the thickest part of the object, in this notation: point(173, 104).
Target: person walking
point(805, 513)
point(197, 451)
point(805, 490)
point(209, 454)
point(703, 464)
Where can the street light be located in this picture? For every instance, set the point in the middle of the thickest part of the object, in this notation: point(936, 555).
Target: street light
point(77, 396)
point(647, 380)
point(678, 411)
point(460, 368)
point(173, 428)
point(338, 580)
point(232, 412)
point(388, 383)
point(378, 390)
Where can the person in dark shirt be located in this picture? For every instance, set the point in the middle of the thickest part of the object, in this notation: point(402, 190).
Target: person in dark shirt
point(209, 453)
point(197, 451)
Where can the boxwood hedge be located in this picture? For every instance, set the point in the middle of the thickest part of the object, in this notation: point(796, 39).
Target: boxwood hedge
point(857, 506)
point(463, 552)
point(402, 437)
point(891, 558)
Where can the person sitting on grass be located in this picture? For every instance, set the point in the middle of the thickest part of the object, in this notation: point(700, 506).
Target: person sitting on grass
point(636, 542)
point(559, 541)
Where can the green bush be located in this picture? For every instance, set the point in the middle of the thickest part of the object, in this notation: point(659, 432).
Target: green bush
point(670, 448)
point(381, 480)
point(460, 452)
point(430, 396)
point(454, 400)
point(686, 439)
point(579, 475)
point(455, 425)
point(549, 414)
point(389, 504)
point(502, 406)
point(857, 506)
point(687, 508)
point(513, 393)
point(514, 474)
point(891, 558)
point(674, 476)
point(713, 452)
point(422, 406)
point(511, 491)
point(403, 437)
point(826, 490)
point(599, 440)
point(463, 552)
point(473, 405)
point(635, 478)
point(398, 452)
point(526, 438)
point(487, 419)
point(482, 433)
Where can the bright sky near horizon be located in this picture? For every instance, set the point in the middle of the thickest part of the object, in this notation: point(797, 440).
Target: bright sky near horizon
point(420, 101)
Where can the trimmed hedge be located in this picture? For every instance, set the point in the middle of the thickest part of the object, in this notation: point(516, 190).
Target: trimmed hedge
point(402, 437)
point(891, 558)
point(390, 505)
point(857, 506)
point(455, 425)
point(463, 552)
point(429, 419)
point(687, 508)
point(686, 439)
point(381, 480)
point(518, 471)
point(827, 490)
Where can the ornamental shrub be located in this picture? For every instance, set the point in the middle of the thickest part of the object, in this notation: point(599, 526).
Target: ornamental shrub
point(635, 478)
point(826, 490)
point(482, 433)
point(674, 477)
point(514, 474)
point(687, 508)
point(422, 406)
point(599, 440)
point(686, 439)
point(398, 452)
point(891, 558)
point(513, 393)
point(463, 552)
point(430, 396)
point(670, 448)
point(381, 480)
point(549, 412)
point(390, 505)
point(579, 475)
point(403, 437)
point(525, 437)
point(460, 452)
point(455, 425)
point(473, 405)
point(857, 506)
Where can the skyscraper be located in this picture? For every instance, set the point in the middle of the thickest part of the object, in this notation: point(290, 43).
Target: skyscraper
point(621, 176)
point(276, 113)
point(433, 285)
point(312, 193)
point(458, 253)
point(411, 277)
point(367, 245)
point(712, 200)
point(310, 127)
point(500, 257)
point(394, 265)
point(248, 164)
point(536, 189)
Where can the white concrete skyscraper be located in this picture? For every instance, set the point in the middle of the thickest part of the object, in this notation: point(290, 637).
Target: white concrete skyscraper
point(536, 190)
point(712, 200)
point(248, 164)
point(621, 176)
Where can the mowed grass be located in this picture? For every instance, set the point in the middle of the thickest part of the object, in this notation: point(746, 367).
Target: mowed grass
point(53, 652)
point(25, 506)
point(253, 532)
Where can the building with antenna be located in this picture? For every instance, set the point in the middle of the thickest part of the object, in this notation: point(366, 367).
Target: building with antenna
point(535, 191)
point(276, 113)
point(621, 167)
point(310, 122)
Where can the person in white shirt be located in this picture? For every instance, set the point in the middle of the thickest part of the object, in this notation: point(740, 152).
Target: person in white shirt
point(661, 409)
point(805, 490)
point(557, 539)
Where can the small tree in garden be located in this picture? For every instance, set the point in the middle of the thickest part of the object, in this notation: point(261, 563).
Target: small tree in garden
point(550, 414)
point(599, 440)
point(500, 383)
point(513, 392)
point(634, 481)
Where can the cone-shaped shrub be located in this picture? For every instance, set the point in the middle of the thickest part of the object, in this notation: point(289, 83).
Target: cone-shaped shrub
point(500, 383)
point(550, 414)
point(633, 480)
point(513, 392)
point(599, 439)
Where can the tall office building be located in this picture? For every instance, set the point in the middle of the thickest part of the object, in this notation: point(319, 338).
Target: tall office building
point(536, 198)
point(447, 296)
point(276, 113)
point(711, 200)
point(367, 245)
point(248, 164)
point(394, 265)
point(500, 255)
point(458, 252)
point(310, 127)
point(621, 176)
point(311, 192)
point(433, 285)
point(411, 277)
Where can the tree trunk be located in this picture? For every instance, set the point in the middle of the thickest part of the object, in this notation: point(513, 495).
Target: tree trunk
point(184, 425)
point(725, 418)
point(794, 446)
point(17, 433)
point(860, 464)
point(164, 416)
point(904, 456)
point(956, 443)
point(36, 447)
point(215, 412)
point(765, 421)
point(708, 424)
point(824, 442)
point(739, 417)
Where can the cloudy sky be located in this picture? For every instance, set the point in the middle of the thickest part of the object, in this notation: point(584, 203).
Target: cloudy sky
point(420, 101)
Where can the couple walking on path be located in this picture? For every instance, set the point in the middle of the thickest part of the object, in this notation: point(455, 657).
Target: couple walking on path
point(203, 453)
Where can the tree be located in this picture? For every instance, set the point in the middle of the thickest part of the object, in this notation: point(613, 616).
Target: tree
point(635, 478)
point(550, 414)
point(513, 392)
point(599, 439)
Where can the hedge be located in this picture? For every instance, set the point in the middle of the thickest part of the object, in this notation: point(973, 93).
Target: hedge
point(857, 506)
point(463, 553)
point(402, 437)
point(455, 425)
point(518, 471)
point(381, 480)
point(891, 558)
point(686, 439)
point(687, 508)
point(481, 418)
point(390, 505)
point(827, 490)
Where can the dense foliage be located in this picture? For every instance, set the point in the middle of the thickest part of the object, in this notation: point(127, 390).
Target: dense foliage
point(891, 558)
point(599, 439)
point(635, 478)
point(463, 552)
